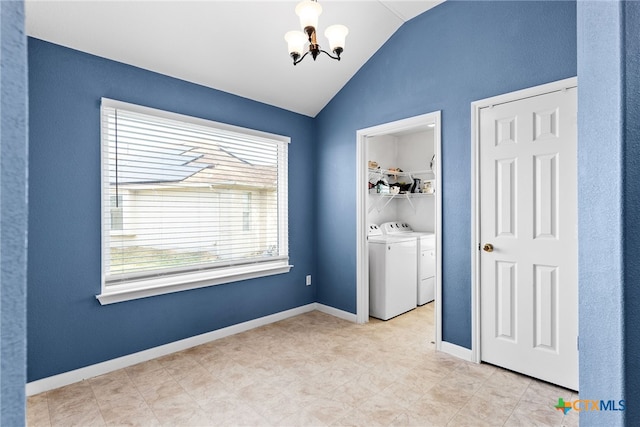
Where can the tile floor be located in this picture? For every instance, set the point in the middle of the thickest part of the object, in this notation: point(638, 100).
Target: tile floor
point(309, 370)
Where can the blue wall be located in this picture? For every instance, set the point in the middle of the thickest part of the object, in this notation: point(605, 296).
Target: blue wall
point(609, 178)
point(13, 212)
point(68, 328)
point(456, 53)
point(631, 179)
point(600, 193)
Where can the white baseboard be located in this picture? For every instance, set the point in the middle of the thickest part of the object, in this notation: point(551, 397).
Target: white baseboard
point(66, 378)
point(457, 351)
point(345, 315)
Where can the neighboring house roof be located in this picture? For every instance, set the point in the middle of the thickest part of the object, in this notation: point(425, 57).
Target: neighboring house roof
point(195, 163)
point(139, 166)
point(228, 169)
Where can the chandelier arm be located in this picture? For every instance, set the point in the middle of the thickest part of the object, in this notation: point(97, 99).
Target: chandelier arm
point(296, 61)
point(330, 56)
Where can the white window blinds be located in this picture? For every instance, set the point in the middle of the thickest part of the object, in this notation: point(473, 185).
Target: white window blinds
point(183, 195)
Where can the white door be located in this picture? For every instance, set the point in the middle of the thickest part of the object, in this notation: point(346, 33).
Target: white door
point(528, 232)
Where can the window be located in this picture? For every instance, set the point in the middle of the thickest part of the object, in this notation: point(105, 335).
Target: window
point(188, 202)
point(246, 214)
point(116, 213)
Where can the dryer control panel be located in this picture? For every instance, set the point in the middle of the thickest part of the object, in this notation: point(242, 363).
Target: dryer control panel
point(374, 230)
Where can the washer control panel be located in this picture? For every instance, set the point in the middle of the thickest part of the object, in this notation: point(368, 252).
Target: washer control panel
point(396, 228)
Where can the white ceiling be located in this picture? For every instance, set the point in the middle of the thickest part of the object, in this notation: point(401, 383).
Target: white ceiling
point(234, 46)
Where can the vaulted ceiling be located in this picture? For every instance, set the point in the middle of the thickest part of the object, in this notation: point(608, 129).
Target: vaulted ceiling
point(234, 46)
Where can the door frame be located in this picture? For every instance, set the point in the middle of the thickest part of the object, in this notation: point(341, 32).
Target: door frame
point(362, 249)
point(476, 106)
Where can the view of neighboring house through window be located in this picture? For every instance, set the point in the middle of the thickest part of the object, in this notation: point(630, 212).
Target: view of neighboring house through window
point(246, 215)
point(185, 195)
point(116, 213)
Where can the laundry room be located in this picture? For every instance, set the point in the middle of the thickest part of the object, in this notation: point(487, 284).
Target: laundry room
point(402, 178)
point(401, 220)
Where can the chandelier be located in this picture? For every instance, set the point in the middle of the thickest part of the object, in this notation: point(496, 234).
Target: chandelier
point(308, 12)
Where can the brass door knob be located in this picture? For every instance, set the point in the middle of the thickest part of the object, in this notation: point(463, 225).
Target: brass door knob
point(488, 247)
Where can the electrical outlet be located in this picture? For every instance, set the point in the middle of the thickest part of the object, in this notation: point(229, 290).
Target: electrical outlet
point(308, 280)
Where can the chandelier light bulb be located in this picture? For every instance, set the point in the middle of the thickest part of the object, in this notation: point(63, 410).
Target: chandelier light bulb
point(295, 41)
point(336, 34)
point(308, 11)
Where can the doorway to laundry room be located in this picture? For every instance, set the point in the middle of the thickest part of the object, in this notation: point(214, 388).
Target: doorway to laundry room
point(399, 220)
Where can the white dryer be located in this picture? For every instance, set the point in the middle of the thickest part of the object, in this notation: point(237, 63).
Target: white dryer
point(392, 273)
point(426, 253)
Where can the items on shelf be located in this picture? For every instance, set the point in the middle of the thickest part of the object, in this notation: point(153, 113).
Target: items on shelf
point(395, 183)
point(382, 180)
point(382, 188)
point(416, 187)
point(428, 187)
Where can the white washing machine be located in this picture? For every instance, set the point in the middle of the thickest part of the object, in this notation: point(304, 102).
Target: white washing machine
point(392, 273)
point(426, 253)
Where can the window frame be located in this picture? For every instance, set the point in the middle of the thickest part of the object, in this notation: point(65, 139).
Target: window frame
point(179, 281)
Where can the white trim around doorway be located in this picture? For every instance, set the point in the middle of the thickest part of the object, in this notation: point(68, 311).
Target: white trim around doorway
point(476, 106)
point(362, 249)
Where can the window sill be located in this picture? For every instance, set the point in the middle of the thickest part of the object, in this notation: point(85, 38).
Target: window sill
point(136, 289)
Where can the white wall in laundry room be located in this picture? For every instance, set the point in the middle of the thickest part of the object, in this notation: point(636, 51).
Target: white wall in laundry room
point(382, 150)
point(414, 152)
point(411, 152)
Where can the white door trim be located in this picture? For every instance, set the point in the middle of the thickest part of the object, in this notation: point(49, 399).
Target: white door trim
point(362, 249)
point(475, 191)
